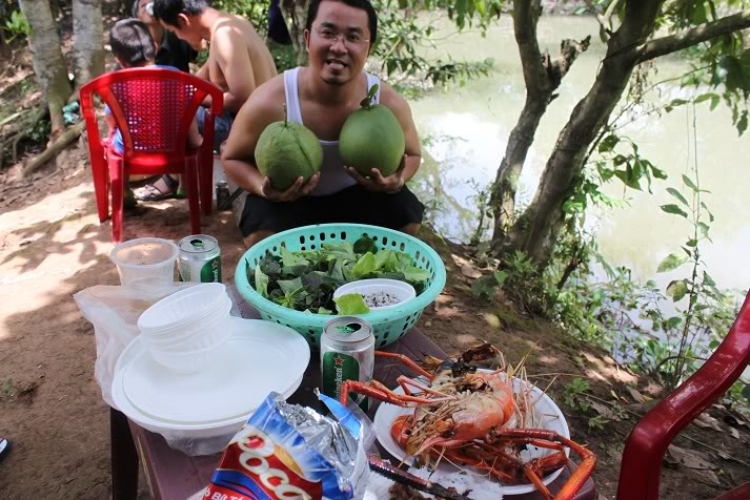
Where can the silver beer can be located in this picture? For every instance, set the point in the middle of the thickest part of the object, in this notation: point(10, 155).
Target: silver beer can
point(200, 259)
point(347, 352)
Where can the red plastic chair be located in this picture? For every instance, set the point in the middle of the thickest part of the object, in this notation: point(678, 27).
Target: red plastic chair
point(153, 108)
point(645, 448)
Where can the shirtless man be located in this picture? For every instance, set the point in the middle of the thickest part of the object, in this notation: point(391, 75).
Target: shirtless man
point(339, 35)
point(238, 59)
point(171, 50)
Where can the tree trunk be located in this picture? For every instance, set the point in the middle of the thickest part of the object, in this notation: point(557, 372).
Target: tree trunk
point(49, 63)
point(88, 40)
point(535, 231)
point(295, 14)
point(542, 76)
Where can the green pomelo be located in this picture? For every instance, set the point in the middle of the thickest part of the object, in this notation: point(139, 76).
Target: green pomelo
point(372, 138)
point(286, 151)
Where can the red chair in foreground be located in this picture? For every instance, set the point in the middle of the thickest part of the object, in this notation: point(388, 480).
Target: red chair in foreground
point(153, 108)
point(645, 448)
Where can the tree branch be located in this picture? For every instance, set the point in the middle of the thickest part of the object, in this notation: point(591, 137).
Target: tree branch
point(603, 22)
point(525, 16)
point(668, 44)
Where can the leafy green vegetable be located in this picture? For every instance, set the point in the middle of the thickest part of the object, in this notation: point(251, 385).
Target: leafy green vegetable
point(351, 303)
point(261, 282)
point(306, 281)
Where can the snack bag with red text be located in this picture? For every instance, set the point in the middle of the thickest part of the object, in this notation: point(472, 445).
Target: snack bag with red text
point(287, 451)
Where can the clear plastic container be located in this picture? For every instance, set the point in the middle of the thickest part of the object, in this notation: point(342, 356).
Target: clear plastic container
point(145, 261)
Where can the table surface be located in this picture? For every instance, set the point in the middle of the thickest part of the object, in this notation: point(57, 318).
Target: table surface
point(173, 475)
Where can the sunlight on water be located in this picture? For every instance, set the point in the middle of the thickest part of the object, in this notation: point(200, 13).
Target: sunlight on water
point(467, 129)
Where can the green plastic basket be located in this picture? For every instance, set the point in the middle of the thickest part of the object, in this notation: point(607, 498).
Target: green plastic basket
point(388, 325)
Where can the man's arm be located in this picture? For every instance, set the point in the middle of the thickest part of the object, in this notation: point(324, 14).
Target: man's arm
point(264, 107)
point(228, 48)
point(238, 157)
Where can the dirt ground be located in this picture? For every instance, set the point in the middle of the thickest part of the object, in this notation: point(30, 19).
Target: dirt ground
point(52, 246)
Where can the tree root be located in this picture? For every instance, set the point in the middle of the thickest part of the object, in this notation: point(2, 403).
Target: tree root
point(53, 149)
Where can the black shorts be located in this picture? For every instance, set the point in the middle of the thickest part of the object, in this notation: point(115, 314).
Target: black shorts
point(354, 204)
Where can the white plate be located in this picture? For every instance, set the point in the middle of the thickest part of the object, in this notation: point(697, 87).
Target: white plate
point(242, 328)
point(259, 357)
point(547, 413)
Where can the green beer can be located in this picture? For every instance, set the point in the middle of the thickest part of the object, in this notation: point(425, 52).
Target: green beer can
point(200, 259)
point(347, 352)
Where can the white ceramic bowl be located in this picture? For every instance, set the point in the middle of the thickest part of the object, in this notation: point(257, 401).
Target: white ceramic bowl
point(400, 289)
point(183, 308)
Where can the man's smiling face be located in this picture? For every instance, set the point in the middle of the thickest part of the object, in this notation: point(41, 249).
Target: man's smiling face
point(339, 42)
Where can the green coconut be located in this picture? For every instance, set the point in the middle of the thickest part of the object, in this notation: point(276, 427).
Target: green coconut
point(371, 138)
point(286, 151)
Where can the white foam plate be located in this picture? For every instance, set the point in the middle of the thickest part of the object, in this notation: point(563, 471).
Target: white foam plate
point(260, 357)
point(547, 413)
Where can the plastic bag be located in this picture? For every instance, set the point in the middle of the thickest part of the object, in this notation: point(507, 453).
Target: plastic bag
point(114, 312)
point(291, 451)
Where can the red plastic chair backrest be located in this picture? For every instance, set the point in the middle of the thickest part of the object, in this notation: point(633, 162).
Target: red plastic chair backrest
point(153, 107)
point(641, 462)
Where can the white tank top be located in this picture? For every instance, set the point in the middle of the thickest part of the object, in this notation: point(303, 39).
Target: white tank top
point(333, 177)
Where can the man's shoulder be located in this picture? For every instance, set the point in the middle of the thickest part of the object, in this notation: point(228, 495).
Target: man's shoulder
point(270, 93)
point(390, 98)
point(229, 26)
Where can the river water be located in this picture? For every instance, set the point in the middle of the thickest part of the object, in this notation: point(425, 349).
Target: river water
point(466, 131)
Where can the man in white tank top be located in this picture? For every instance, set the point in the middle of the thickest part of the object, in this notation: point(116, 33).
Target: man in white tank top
point(339, 35)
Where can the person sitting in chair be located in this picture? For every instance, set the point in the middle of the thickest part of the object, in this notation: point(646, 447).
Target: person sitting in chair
point(133, 47)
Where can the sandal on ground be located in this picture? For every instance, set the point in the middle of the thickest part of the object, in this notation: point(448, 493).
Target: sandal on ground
point(164, 188)
point(4, 447)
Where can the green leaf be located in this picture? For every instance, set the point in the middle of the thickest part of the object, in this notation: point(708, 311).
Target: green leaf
point(288, 286)
point(679, 196)
point(677, 290)
point(416, 275)
point(705, 97)
point(608, 143)
point(674, 322)
point(351, 303)
point(364, 266)
point(674, 209)
point(689, 183)
point(704, 229)
point(671, 262)
point(710, 215)
point(261, 282)
point(292, 259)
point(500, 277)
point(365, 244)
point(658, 173)
point(715, 100)
point(746, 392)
point(323, 310)
point(742, 123)
point(708, 280)
point(627, 177)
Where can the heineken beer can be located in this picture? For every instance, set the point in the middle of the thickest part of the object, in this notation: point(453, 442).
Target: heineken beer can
point(200, 259)
point(347, 352)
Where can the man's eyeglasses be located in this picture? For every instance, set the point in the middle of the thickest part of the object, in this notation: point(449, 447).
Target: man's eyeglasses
point(332, 36)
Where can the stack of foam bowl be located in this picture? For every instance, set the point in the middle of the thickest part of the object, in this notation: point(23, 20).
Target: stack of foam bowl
point(195, 372)
point(185, 330)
